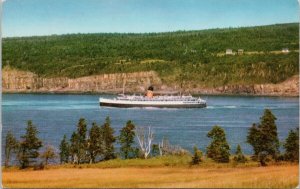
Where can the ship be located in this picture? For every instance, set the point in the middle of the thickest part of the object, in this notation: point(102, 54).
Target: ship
point(151, 100)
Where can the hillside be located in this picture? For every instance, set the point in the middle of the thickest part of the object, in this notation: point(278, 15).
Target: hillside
point(193, 58)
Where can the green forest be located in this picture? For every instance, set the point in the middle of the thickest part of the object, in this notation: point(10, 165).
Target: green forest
point(192, 56)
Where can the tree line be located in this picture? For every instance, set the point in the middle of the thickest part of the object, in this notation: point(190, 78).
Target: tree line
point(98, 144)
point(192, 52)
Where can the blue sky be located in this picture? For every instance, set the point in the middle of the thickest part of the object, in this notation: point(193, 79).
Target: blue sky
point(46, 17)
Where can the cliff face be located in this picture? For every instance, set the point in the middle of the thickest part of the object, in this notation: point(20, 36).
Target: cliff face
point(22, 81)
point(290, 87)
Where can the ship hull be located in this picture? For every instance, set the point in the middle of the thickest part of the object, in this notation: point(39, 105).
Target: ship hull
point(156, 104)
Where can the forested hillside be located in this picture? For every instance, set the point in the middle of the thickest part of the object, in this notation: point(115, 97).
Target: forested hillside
point(181, 56)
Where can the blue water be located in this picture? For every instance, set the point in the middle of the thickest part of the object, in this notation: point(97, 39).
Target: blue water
point(56, 115)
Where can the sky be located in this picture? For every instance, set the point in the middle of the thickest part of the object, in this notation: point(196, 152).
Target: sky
point(47, 17)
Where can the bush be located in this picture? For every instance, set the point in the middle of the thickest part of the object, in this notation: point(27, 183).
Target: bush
point(40, 166)
point(166, 148)
point(239, 156)
point(197, 157)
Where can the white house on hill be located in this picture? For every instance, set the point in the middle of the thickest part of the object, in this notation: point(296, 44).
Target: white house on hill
point(229, 51)
point(285, 50)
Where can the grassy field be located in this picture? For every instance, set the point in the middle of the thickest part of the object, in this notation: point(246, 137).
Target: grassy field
point(156, 172)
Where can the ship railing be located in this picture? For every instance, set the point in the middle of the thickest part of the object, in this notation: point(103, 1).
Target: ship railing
point(161, 98)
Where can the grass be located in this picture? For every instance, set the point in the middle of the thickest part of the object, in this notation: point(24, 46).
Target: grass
point(152, 162)
point(168, 171)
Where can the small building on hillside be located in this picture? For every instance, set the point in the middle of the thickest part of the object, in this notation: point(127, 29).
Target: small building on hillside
point(240, 51)
point(285, 50)
point(229, 52)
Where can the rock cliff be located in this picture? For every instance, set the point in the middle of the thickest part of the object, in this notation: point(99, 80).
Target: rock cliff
point(290, 87)
point(21, 81)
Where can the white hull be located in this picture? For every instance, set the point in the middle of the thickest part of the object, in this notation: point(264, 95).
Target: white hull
point(152, 103)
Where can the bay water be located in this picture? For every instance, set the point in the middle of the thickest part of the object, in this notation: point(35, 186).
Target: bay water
point(58, 114)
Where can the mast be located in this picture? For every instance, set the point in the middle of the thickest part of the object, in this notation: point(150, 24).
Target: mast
point(181, 84)
point(123, 86)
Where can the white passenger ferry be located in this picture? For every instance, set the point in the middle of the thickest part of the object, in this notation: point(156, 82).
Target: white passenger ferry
point(150, 100)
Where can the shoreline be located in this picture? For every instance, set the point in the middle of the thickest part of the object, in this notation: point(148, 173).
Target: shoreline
point(138, 93)
point(16, 81)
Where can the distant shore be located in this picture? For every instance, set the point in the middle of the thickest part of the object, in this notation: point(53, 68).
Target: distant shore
point(138, 93)
point(16, 81)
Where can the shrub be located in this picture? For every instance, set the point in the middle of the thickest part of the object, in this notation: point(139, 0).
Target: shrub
point(39, 166)
point(239, 156)
point(197, 157)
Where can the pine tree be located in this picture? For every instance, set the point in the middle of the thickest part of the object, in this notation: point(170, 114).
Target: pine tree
point(82, 137)
point(126, 139)
point(239, 156)
point(74, 147)
point(78, 147)
point(108, 139)
point(291, 146)
point(197, 157)
point(219, 149)
point(11, 146)
point(95, 142)
point(64, 148)
point(29, 146)
point(263, 138)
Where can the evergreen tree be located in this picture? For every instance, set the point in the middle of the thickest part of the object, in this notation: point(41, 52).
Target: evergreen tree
point(263, 138)
point(82, 140)
point(48, 154)
point(126, 139)
point(108, 139)
point(239, 156)
point(74, 147)
point(291, 146)
point(29, 146)
point(197, 157)
point(11, 146)
point(64, 148)
point(219, 149)
point(95, 142)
